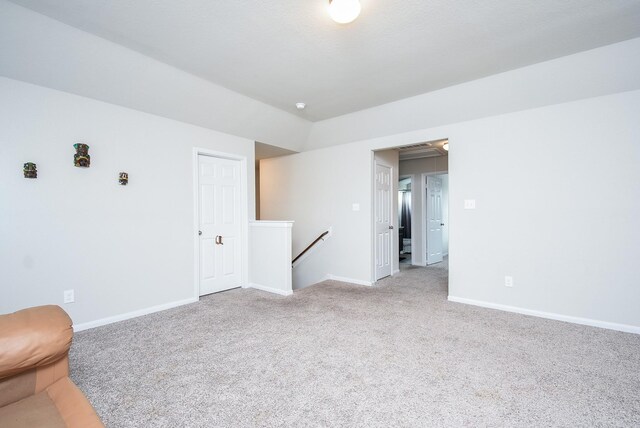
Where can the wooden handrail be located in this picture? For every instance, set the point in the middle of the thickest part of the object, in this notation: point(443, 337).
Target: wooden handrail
point(310, 245)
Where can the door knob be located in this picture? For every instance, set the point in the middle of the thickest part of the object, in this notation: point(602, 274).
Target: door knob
point(199, 232)
point(441, 224)
point(219, 240)
point(390, 227)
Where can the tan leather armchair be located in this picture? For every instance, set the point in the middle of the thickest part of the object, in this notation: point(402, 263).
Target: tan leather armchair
point(35, 390)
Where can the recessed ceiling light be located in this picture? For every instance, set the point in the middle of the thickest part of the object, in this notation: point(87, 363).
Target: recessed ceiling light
point(344, 11)
point(300, 106)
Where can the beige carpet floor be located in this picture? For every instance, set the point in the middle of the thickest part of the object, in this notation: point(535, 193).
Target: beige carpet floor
point(338, 355)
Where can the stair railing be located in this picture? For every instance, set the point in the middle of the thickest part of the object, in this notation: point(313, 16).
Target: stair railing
point(318, 239)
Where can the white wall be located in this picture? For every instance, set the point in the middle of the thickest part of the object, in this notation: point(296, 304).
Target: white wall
point(121, 248)
point(270, 256)
point(557, 206)
point(576, 258)
point(610, 69)
point(41, 50)
point(317, 190)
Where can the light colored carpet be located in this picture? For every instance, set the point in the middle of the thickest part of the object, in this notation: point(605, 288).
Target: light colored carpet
point(397, 354)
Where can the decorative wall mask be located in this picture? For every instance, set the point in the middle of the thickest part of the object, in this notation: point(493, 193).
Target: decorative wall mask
point(81, 158)
point(123, 178)
point(30, 170)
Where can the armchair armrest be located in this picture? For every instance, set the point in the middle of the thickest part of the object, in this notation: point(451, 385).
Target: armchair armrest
point(33, 337)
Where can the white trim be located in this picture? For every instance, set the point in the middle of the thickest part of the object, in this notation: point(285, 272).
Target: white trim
point(244, 216)
point(372, 215)
point(395, 272)
point(423, 197)
point(271, 223)
point(549, 315)
point(270, 290)
point(133, 314)
point(349, 280)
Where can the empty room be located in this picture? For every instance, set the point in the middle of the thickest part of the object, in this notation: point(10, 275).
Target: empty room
point(331, 213)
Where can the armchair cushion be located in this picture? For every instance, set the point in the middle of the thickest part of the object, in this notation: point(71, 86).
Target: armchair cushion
point(33, 337)
point(61, 405)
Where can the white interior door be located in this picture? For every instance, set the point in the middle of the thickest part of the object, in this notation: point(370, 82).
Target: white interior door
point(219, 184)
point(434, 220)
point(383, 226)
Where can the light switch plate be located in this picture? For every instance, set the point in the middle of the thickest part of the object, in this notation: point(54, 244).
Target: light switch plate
point(355, 207)
point(469, 204)
point(69, 296)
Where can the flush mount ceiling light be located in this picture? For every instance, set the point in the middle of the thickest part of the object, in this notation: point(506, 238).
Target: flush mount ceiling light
point(344, 11)
point(300, 106)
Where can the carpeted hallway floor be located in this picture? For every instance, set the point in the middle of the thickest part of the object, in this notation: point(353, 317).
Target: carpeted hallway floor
point(397, 354)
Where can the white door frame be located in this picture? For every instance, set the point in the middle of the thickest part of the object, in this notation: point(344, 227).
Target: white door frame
point(423, 186)
point(244, 215)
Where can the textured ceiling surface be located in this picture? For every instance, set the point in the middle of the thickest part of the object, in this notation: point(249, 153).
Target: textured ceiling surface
point(282, 52)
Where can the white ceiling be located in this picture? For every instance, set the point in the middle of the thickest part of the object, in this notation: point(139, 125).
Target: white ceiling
point(286, 51)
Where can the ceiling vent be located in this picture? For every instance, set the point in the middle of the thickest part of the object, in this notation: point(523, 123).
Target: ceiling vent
point(414, 146)
point(422, 150)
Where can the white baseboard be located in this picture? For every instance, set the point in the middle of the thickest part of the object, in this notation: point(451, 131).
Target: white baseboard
point(271, 290)
point(549, 315)
point(134, 314)
point(395, 272)
point(349, 280)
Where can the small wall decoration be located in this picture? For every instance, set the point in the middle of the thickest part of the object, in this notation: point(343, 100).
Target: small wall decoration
point(30, 170)
point(81, 158)
point(123, 178)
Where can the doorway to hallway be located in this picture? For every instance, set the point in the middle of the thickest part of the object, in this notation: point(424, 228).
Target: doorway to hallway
point(410, 166)
point(404, 220)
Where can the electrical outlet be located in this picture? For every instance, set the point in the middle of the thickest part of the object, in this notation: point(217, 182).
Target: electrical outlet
point(69, 296)
point(469, 204)
point(508, 281)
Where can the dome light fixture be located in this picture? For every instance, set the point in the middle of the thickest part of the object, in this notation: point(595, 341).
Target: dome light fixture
point(446, 146)
point(300, 106)
point(344, 11)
